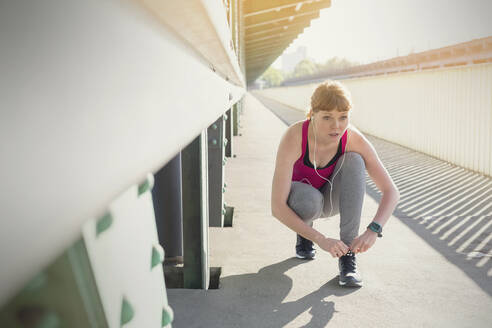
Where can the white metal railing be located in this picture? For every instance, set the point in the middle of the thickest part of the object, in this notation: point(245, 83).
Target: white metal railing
point(203, 23)
point(446, 113)
point(92, 97)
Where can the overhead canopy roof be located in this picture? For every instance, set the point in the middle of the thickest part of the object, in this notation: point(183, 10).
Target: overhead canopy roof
point(271, 26)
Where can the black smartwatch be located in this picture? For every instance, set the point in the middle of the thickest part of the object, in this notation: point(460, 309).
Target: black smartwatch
point(376, 227)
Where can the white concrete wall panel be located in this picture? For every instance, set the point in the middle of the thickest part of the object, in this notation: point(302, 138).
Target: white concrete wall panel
point(446, 113)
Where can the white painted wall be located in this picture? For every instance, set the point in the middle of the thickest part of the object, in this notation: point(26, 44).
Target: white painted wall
point(446, 113)
point(93, 95)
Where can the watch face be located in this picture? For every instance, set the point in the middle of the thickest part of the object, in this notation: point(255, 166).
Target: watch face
point(376, 227)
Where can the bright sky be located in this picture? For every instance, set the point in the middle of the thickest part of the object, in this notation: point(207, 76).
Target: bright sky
point(371, 30)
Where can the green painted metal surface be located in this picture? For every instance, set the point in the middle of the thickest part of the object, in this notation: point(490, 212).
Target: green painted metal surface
point(194, 161)
point(64, 295)
point(216, 152)
point(148, 184)
point(127, 312)
point(235, 120)
point(104, 223)
point(157, 255)
point(167, 316)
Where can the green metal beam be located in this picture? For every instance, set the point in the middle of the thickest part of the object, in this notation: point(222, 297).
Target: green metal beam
point(194, 163)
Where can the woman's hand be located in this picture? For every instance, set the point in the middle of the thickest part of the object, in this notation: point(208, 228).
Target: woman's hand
point(335, 247)
point(363, 242)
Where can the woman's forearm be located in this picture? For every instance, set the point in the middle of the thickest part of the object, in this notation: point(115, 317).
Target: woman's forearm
point(388, 203)
point(289, 218)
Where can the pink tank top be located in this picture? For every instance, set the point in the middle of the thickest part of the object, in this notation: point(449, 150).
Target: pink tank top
point(303, 170)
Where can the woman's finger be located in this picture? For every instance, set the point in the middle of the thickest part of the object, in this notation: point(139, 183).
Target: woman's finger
point(356, 244)
point(344, 248)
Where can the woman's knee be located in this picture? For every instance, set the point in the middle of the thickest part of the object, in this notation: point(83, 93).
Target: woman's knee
point(352, 161)
point(305, 200)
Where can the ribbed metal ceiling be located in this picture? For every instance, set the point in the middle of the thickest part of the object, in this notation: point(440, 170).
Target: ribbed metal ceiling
point(271, 26)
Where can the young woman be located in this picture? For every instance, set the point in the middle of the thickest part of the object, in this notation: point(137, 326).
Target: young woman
point(341, 155)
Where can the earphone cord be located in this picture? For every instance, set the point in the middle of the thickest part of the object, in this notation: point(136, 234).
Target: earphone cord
point(333, 178)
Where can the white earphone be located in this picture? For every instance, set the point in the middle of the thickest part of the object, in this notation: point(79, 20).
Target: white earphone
point(314, 160)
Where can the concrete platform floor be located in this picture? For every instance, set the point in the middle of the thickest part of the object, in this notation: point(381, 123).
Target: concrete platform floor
point(426, 271)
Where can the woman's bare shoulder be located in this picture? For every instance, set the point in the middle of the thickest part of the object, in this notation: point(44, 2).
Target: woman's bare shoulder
point(352, 130)
point(294, 134)
point(295, 129)
point(292, 139)
point(356, 139)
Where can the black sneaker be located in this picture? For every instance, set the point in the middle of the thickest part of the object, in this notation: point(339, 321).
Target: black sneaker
point(304, 248)
point(349, 276)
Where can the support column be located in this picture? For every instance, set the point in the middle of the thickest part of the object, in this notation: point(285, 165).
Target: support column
point(194, 164)
point(229, 132)
point(166, 196)
point(235, 117)
point(216, 143)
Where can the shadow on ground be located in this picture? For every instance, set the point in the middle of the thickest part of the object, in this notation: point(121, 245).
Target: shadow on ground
point(446, 205)
point(255, 300)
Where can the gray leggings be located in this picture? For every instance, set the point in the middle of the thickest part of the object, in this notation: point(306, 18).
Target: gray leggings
point(347, 197)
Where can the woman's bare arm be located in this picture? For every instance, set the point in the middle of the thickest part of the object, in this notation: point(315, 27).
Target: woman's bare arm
point(379, 175)
point(385, 184)
point(281, 184)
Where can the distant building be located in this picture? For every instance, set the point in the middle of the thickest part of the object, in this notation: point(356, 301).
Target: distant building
point(290, 60)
